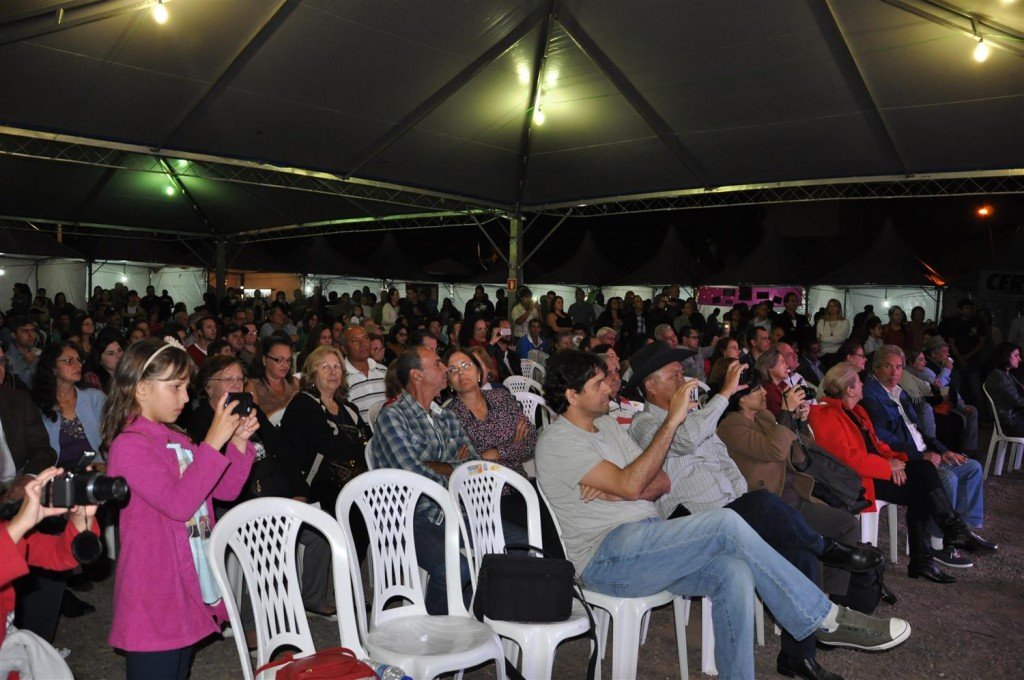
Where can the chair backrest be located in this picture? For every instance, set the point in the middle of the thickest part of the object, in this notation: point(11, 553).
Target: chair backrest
point(369, 456)
point(538, 356)
point(475, 488)
point(371, 413)
point(704, 394)
point(387, 499)
point(519, 383)
point(263, 535)
point(531, 369)
point(992, 407)
point(532, 403)
point(554, 517)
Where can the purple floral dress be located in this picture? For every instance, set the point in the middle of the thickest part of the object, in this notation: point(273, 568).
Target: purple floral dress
point(498, 429)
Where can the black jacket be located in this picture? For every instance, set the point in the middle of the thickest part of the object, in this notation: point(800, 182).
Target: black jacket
point(23, 429)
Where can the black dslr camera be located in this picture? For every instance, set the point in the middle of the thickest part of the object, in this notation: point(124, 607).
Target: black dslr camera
point(83, 488)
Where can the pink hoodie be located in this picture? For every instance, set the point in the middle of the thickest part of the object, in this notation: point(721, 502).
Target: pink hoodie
point(157, 601)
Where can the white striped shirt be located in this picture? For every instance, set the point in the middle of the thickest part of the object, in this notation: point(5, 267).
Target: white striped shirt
point(703, 475)
point(365, 390)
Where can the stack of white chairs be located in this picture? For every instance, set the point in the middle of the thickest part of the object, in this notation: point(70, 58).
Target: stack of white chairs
point(531, 369)
point(519, 383)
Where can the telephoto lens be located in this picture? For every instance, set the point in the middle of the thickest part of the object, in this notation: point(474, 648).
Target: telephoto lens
point(95, 489)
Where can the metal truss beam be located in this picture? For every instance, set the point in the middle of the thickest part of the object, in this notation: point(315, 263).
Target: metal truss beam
point(155, 232)
point(61, 16)
point(1000, 36)
point(363, 224)
point(21, 143)
point(854, 188)
point(356, 225)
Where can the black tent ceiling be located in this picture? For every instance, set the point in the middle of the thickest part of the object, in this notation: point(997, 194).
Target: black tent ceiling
point(261, 118)
point(669, 263)
point(885, 261)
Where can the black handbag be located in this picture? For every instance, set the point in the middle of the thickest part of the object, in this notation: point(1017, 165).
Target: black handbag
point(835, 483)
point(530, 589)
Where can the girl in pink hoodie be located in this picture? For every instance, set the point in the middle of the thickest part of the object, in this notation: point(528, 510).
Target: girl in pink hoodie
point(165, 598)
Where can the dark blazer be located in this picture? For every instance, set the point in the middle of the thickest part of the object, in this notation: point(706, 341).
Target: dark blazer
point(23, 429)
point(889, 424)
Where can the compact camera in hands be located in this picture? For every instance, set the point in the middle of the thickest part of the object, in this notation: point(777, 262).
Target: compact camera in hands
point(83, 488)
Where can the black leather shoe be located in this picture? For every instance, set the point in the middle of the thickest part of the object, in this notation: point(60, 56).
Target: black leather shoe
point(809, 669)
point(72, 607)
point(930, 571)
point(888, 596)
point(972, 542)
point(851, 558)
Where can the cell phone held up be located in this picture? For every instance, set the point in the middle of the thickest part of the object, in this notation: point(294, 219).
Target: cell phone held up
point(242, 401)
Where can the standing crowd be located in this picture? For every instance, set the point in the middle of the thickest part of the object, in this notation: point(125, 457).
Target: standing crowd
point(685, 454)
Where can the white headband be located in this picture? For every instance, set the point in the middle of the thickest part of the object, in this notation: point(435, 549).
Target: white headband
point(168, 342)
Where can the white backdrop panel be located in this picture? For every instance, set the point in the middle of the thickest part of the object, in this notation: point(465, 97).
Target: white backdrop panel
point(64, 276)
point(185, 284)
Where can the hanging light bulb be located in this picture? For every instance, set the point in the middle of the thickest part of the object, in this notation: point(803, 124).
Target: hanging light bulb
point(160, 13)
point(169, 190)
point(981, 52)
point(538, 116)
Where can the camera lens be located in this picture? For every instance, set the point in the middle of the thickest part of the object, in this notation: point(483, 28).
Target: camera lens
point(102, 489)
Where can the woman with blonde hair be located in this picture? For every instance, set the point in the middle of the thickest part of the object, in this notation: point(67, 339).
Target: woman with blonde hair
point(833, 328)
point(327, 435)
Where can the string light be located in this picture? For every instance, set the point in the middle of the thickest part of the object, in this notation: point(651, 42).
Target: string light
point(169, 190)
point(523, 71)
point(160, 13)
point(984, 211)
point(982, 51)
point(538, 116)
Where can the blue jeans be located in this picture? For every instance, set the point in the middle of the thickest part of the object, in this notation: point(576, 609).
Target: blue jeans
point(964, 484)
point(429, 539)
point(714, 554)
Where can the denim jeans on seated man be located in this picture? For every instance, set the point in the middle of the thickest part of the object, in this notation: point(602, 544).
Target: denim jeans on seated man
point(429, 539)
point(784, 529)
point(714, 554)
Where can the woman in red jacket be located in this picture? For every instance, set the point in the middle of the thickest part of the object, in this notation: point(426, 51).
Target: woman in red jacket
point(23, 652)
point(844, 429)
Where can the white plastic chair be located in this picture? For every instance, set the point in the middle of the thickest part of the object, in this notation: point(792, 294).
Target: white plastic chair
point(262, 534)
point(533, 370)
point(369, 456)
point(869, 528)
point(423, 646)
point(476, 487)
point(999, 443)
point(628, 618)
point(373, 411)
point(518, 383)
point(531, 403)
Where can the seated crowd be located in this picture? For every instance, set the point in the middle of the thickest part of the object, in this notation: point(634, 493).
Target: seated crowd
point(679, 456)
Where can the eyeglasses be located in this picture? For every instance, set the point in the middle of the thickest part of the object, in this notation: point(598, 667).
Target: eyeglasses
point(330, 368)
point(235, 381)
point(70, 360)
point(458, 368)
point(277, 360)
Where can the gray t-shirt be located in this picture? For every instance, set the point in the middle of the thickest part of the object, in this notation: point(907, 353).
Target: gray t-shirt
point(564, 455)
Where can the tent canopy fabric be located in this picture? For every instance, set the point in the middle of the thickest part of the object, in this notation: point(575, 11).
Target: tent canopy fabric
point(513, 105)
point(886, 261)
point(670, 263)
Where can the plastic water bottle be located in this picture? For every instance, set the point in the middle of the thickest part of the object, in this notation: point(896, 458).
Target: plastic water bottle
point(386, 671)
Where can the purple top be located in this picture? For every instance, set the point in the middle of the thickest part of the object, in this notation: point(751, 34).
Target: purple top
point(498, 429)
point(158, 604)
point(72, 439)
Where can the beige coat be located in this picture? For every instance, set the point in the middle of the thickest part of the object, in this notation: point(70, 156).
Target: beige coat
point(762, 450)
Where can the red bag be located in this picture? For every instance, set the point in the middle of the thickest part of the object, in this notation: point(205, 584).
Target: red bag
point(335, 663)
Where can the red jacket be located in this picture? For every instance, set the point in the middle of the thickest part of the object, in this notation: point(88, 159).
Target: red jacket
point(837, 434)
point(37, 550)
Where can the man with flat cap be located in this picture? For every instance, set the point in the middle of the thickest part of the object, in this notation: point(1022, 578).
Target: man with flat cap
point(705, 478)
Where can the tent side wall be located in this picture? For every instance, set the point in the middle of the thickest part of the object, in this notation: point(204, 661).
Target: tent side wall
point(855, 297)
